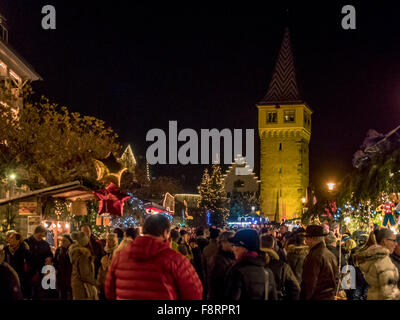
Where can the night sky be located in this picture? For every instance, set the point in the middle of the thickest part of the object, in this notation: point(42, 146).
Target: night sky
point(137, 67)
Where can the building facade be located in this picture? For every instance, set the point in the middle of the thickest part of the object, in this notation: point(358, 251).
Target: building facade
point(284, 123)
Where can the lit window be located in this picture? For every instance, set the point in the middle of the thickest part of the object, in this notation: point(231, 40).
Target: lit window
point(289, 116)
point(272, 117)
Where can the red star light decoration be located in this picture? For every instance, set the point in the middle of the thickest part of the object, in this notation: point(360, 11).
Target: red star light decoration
point(111, 200)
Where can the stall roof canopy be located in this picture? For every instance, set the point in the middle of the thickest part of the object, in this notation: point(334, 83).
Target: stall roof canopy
point(69, 191)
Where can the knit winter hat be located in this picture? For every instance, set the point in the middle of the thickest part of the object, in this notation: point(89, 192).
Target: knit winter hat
point(247, 238)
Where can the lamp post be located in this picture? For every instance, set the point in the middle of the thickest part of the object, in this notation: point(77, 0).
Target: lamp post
point(11, 179)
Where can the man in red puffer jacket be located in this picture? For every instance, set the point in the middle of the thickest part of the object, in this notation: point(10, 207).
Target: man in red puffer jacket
point(148, 269)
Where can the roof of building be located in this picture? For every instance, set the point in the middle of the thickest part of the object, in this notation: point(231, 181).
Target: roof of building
point(69, 191)
point(15, 62)
point(283, 86)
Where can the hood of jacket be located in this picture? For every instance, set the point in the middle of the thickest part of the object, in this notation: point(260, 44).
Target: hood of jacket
point(372, 254)
point(78, 251)
point(146, 248)
point(270, 254)
point(299, 250)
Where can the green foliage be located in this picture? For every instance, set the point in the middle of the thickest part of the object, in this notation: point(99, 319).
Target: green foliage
point(236, 206)
point(368, 183)
point(49, 144)
point(8, 214)
point(90, 218)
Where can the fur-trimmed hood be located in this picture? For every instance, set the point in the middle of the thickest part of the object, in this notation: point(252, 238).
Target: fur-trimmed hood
point(298, 250)
point(77, 251)
point(372, 254)
point(270, 254)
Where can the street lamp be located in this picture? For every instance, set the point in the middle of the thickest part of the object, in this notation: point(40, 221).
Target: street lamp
point(303, 200)
point(331, 185)
point(13, 176)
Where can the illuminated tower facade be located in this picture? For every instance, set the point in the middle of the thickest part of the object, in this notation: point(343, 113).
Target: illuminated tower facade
point(284, 125)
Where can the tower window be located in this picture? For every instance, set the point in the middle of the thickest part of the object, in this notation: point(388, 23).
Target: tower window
point(289, 116)
point(280, 147)
point(272, 117)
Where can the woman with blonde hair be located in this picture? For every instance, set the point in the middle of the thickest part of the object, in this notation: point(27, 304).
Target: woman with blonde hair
point(378, 269)
point(83, 283)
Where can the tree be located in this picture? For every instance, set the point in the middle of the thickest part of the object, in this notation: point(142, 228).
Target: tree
point(236, 206)
point(50, 145)
point(213, 197)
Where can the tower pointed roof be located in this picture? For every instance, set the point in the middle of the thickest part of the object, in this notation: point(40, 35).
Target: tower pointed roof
point(283, 86)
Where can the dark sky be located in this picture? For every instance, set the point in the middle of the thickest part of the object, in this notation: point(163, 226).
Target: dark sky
point(137, 67)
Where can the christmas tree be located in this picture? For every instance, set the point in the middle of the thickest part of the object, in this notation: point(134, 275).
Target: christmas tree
point(213, 197)
point(236, 206)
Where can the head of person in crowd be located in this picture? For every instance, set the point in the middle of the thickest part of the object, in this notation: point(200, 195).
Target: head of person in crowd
point(300, 239)
point(193, 243)
point(397, 249)
point(86, 229)
point(362, 240)
point(157, 226)
point(283, 229)
point(290, 242)
point(330, 240)
point(314, 235)
point(264, 230)
point(119, 233)
point(9, 234)
point(223, 241)
point(185, 236)
point(66, 241)
point(132, 233)
point(15, 239)
point(82, 239)
point(245, 241)
point(386, 238)
point(200, 232)
point(174, 235)
point(39, 233)
point(267, 241)
point(214, 233)
point(111, 241)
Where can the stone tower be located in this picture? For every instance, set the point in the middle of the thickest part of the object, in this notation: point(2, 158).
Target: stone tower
point(284, 125)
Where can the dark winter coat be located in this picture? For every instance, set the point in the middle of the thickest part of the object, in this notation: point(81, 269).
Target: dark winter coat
point(83, 281)
point(97, 251)
point(39, 251)
point(199, 264)
point(148, 269)
point(19, 261)
point(335, 251)
point(396, 261)
point(9, 283)
point(246, 280)
point(220, 264)
point(287, 285)
point(202, 243)
point(63, 266)
point(295, 259)
point(320, 274)
point(208, 253)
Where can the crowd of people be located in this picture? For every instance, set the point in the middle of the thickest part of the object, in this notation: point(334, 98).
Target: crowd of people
point(166, 262)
